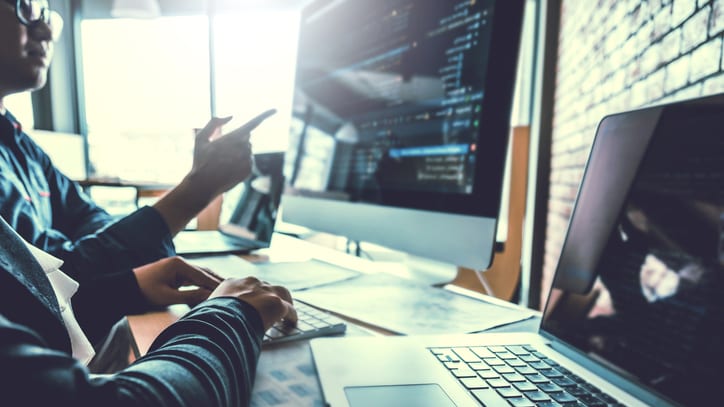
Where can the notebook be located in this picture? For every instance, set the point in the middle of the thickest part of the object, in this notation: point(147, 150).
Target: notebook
point(252, 220)
point(636, 312)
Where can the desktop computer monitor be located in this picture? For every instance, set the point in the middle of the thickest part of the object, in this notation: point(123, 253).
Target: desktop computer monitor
point(401, 120)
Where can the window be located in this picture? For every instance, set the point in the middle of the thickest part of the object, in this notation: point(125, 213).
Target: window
point(254, 58)
point(159, 73)
point(254, 61)
point(21, 106)
point(146, 90)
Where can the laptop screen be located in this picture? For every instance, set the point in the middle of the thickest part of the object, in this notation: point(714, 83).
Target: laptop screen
point(640, 284)
point(255, 203)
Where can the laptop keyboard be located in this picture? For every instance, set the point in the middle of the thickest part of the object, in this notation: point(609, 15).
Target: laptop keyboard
point(519, 376)
point(312, 323)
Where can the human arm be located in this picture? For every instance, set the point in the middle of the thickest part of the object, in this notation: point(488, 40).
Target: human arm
point(51, 212)
point(208, 357)
point(171, 280)
point(37, 199)
point(82, 233)
point(220, 162)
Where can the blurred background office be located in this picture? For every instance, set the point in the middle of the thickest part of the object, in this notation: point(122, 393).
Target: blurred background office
point(132, 79)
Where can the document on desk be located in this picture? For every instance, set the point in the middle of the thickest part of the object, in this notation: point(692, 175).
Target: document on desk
point(227, 266)
point(294, 275)
point(286, 376)
point(406, 307)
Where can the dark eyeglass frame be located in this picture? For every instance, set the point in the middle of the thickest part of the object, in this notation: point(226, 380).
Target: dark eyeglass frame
point(30, 12)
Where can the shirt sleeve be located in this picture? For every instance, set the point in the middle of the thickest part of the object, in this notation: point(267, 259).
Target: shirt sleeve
point(137, 239)
point(207, 358)
point(86, 237)
point(54, 214)
point(102, 264)
point(98, 251)
point(62, 213)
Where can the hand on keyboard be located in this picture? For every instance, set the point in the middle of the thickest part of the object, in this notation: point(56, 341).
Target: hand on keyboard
point(311, 323)
point(272, 302)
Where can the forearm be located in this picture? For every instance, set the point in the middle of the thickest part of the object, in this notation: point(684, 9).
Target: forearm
point(211, 349)
point(101, 302)
point(208, 358)
point(139, 238)
point(220, 162)
point(184, 202)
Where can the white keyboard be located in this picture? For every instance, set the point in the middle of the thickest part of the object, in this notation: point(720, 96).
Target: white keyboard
point(312, 323)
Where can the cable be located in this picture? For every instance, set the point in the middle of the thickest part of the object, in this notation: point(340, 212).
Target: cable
point(488, 289)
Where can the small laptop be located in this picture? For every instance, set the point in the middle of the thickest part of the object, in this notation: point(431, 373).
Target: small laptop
point(251, 223)
point(636, 312)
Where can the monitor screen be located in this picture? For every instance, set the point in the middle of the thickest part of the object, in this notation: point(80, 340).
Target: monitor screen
point(400, 123)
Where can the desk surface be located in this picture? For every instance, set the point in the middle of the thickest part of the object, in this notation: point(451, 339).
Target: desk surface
point(285, 373)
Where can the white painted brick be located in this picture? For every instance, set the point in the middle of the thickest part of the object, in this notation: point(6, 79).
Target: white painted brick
point(716, 24)
point(677, 73)
point(705, 60)
point(671, 46)
point(694, 31)
point(714, 85)
point(682, 9)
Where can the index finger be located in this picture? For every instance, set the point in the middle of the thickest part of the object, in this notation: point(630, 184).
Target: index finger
point(254, 123)
point(213, 125)
point(290, 316)
point(211, 273)
point(201, 277)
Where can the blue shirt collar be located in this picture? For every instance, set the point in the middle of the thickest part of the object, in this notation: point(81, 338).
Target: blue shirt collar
point(10, 127)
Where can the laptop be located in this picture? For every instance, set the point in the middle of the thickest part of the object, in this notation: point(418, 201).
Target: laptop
point(251, 223)
point(636, 312)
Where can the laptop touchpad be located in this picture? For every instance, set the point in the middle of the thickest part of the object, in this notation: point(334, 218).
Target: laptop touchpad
point(419, 395)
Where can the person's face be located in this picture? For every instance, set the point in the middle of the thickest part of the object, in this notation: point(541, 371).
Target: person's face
point(25, 51)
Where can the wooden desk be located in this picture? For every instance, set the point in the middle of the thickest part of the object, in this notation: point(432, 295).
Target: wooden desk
point(143, 190)
point(146, 327)
point(285, 375)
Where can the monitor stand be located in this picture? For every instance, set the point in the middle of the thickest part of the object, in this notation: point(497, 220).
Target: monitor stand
point(502, 279)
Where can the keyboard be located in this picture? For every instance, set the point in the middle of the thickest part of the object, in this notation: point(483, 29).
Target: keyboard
point(312, 323)
point(519, 376)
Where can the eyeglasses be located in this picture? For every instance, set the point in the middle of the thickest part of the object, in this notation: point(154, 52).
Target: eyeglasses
point(32, 11)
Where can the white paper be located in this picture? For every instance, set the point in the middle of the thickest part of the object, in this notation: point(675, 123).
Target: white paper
point(226, 266)
point(406, 307)
point(294, 275)
point(286, 377)
point(302, 275)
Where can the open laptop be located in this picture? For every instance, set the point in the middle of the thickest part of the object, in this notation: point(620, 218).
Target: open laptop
point(251, 223)
point(635, 316)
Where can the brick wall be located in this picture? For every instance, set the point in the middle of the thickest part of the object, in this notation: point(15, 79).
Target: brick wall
point(615, 56)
